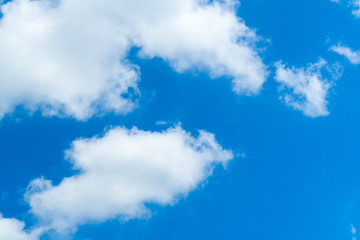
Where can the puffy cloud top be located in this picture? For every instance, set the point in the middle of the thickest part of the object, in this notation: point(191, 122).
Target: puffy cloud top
point(121, 172)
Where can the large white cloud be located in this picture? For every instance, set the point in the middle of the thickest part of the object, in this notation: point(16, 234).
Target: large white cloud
point(306, 89)
point(123, 171)
point(69, 57)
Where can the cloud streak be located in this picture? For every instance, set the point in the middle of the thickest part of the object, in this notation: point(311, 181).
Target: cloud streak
point(352, 56)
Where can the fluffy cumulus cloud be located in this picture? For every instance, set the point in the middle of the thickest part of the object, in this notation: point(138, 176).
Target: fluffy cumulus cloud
point(13, 229)
point(69, 57)
point(121, 172)
point(65, 58)
point(306, 89)
point(348, 53)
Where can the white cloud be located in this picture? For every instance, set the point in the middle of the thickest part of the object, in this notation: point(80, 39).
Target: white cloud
point(209, 37)
point(13, 229)
point(69, 57)
point(123, 171)
point(351, 55)
point(306, 89)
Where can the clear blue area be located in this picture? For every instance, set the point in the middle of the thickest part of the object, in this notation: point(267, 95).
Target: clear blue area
point(300, 178)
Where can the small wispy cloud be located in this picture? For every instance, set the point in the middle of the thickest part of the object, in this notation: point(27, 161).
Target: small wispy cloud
point(356, 5)
point(353, 4)
point(353, 231)
point(352, 56)
point(306, 89)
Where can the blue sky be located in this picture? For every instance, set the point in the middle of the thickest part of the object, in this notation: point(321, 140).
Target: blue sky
point(291, 166)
